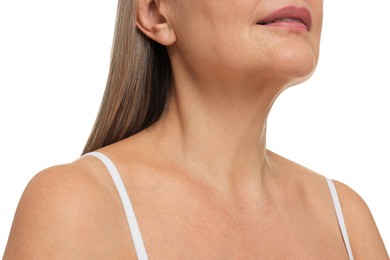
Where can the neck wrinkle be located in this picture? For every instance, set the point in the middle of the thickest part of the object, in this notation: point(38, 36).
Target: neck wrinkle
point(218, 136)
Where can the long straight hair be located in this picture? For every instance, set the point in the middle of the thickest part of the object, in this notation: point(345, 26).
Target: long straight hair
point(137, 86)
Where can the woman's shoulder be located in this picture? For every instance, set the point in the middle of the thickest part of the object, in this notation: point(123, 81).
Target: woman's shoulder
point(65, 180)
point(58, 186)
point(63, 210)
point(363, 233)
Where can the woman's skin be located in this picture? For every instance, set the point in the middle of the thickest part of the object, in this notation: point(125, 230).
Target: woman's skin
point(201, 180)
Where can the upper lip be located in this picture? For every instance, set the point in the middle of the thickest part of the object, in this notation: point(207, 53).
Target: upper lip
point(290, 12)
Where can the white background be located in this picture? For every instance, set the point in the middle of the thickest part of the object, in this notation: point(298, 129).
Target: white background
point(54, 58)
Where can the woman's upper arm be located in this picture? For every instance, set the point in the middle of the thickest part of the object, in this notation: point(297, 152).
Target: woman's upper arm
point(364, 236)
point(47, 220)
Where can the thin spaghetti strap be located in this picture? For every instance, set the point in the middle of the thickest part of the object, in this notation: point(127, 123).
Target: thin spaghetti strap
point(129, 211)
point(340, 217)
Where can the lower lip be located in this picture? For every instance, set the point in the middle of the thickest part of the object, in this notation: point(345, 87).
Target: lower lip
point(289, 25)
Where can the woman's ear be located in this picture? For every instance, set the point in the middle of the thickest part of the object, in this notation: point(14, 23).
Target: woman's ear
point(152, 22)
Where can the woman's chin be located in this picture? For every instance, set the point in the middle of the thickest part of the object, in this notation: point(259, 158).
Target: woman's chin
point(293, 64)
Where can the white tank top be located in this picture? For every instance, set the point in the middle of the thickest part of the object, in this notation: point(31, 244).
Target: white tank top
point(135, 232)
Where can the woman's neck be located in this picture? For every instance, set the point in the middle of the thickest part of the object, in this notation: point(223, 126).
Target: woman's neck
point(217, 132)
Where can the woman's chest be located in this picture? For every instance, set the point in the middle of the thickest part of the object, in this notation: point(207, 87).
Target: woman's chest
point(209, 236)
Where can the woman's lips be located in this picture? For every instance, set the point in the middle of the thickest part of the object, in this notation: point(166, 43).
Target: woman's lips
point(289, 16)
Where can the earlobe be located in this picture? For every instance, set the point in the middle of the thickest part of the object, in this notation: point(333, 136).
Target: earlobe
point(152, 22)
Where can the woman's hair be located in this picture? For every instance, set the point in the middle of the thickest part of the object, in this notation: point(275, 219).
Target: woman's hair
point(137, 85)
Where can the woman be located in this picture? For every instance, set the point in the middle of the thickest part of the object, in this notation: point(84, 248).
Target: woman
point(183, 122)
